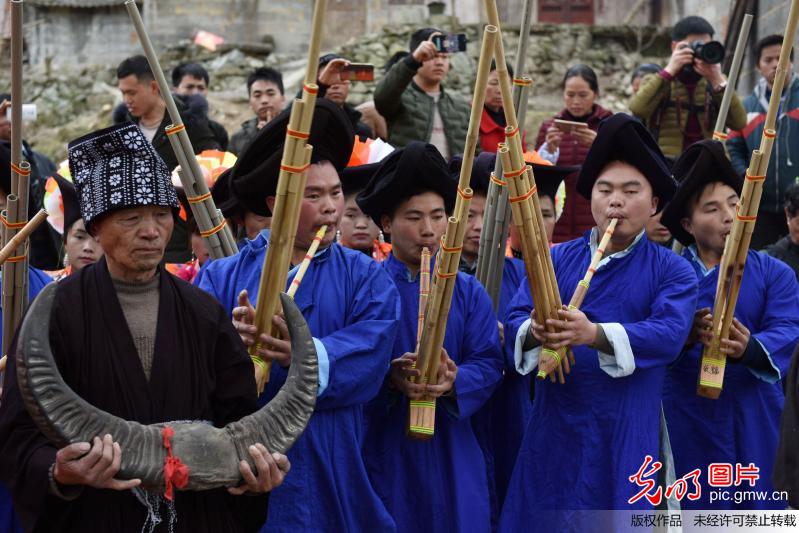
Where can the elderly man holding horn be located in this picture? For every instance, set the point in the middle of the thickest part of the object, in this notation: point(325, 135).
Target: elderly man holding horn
point(137, 344)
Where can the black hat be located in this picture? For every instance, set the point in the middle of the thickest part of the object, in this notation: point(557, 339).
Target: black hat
point(5, 168)
point(255, 174)
point(417, 166)
point(547, 177)
point(117, 168)
point(622, 137)
point(482, 167)
point(703, 163)
point(69, 199)
point(355, 179)
point(327, 58)
point(223, 196)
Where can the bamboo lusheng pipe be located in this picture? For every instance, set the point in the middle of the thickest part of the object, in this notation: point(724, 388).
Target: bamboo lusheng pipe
point(9, 274)
point(732, 80)
point(19, 239)
point(288, 197)
point(733, 260)
point(421, 413)
point(424, 291)
point(491, 252)
point(216, 233)
point(582, 287)
point(306, 262)
point(501, 217)
point(490, 34)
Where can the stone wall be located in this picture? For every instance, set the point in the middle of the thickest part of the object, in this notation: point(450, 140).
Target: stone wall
point(74, 101)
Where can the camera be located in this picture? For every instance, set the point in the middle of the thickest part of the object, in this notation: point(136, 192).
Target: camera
point(711, 52)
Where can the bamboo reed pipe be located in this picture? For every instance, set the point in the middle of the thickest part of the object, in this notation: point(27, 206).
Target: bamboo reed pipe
point(9, 275)
point(424, 291)
point(288, 198)
point(19, 239)
point(582, 287)
point(735, 69)
point(306, 262)
point(733, 261)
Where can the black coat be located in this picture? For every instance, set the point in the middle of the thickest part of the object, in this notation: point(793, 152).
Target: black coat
point(201, 371)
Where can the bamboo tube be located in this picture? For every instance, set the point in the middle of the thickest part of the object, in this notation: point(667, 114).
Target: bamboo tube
point(9, 275)
point(288, 197)
point(582, 287)
point(491, 252)
point(472, 134)
point(733, 261)
point(211, 224)
point(421, 413)
point(496, 267)
point(732, 81)
point(424, 291)
point(306, 262)
point(19, 239)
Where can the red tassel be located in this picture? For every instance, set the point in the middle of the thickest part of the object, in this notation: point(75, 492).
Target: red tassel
point(175, 472)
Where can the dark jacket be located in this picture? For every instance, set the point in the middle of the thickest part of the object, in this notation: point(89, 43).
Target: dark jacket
point(245, 134)
point(576, 217)
point(662, 106)
point(786, 251)
point(220, 134)
point(783, 167)
point(361, 130)
point(45, 243)
point(408, 110)
point(194, 113)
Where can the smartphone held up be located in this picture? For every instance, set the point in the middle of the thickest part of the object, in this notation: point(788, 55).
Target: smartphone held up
point(450, 43)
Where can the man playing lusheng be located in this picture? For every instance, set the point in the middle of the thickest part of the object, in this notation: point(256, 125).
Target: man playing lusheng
point(587, 436)
point(438, 485)
point(352, 310)
point(742, 425)
point(138, 343)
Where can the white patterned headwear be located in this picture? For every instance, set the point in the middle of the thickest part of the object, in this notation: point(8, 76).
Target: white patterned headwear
point(117, 168)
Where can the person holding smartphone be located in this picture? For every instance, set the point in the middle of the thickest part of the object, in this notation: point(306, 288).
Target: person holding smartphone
point(565, 140)
point(415, 104)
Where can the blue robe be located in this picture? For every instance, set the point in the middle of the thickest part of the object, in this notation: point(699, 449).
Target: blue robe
point(587, 436)
point(352, 309)
point(742, 425)
point(437, 485)
point(8, 521)
point(499, 425)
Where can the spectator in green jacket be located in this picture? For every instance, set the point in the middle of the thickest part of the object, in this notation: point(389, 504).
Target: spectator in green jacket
point(782, 173)
point(414, 103)
point(680, 103)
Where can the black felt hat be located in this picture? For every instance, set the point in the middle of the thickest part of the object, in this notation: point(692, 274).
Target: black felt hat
point(255, 174)
point(703, 163)
point(417, 166)
point(69, 199)
point(355, 179)
point(622, 137)
point(223, 196)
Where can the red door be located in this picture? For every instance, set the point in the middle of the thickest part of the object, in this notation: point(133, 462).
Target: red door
point(566, 11)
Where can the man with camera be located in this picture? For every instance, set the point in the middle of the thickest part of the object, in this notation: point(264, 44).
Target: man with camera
point(415, 105)
point(680, 103)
